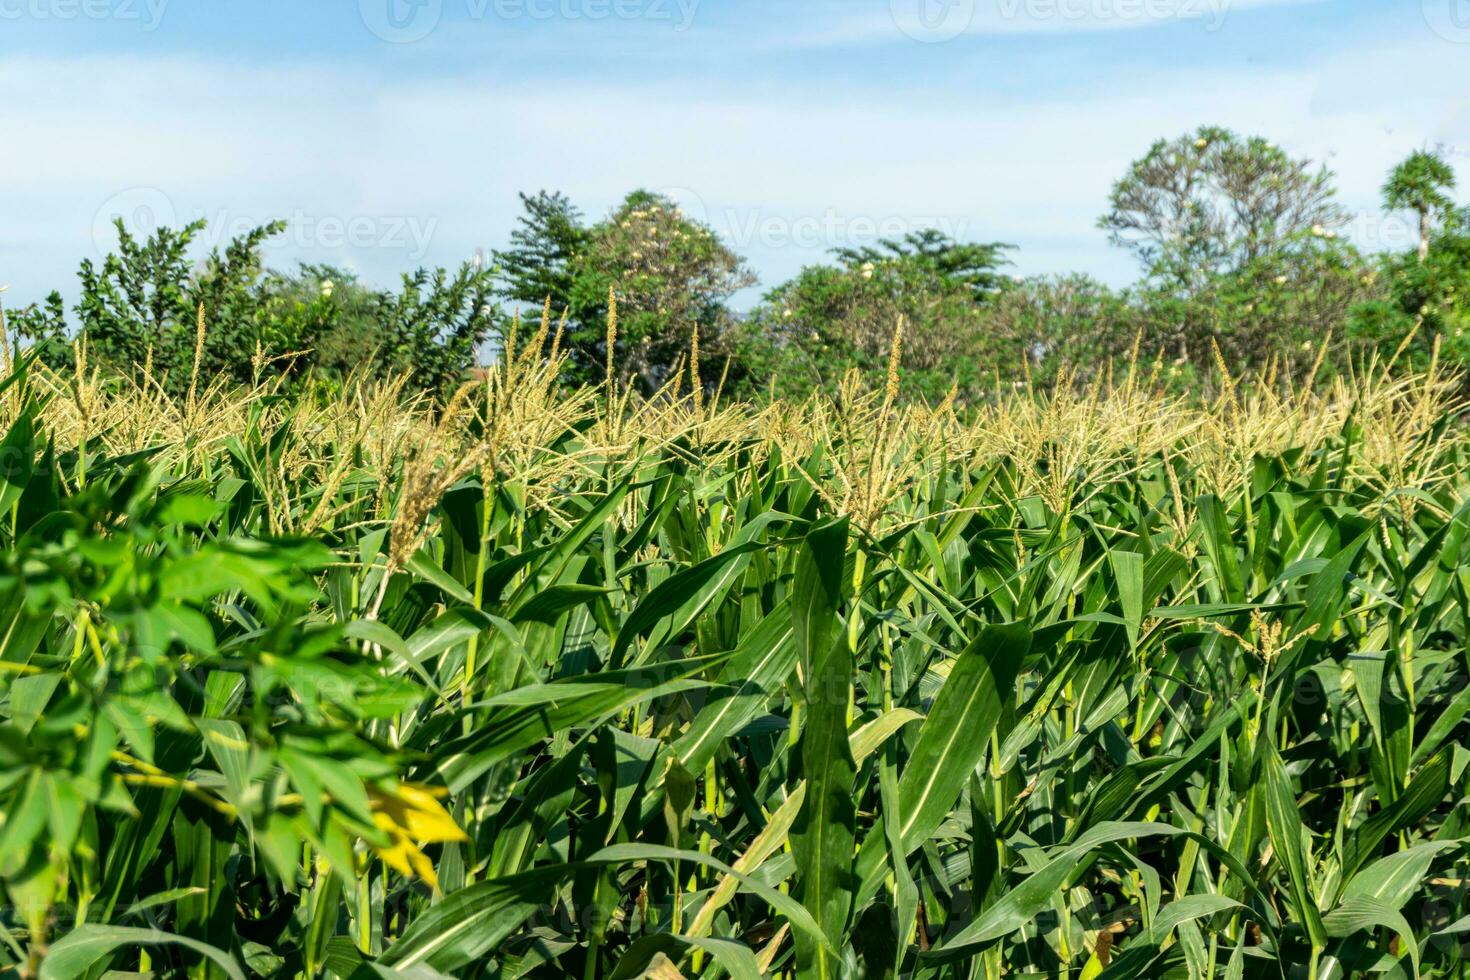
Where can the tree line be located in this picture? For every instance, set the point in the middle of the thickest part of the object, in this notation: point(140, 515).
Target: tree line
point(1242, 248)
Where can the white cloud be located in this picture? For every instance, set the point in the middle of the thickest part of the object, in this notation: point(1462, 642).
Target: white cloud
point(386, 176)
point(937, 21)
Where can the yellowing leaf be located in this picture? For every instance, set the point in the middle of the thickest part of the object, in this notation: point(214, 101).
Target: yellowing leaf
point(412, 816)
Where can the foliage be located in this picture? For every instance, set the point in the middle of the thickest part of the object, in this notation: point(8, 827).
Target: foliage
point(1278, 309)
point(537, 265)
point(142, 304)
point(434, 325)
point(671, 274)
point(150, 307)
point(1244, 262)
point(1425, 311)
point(44, 325)
point(968, 266)
point(845, 315)
point(1098, 682)
point(1212, 203)
point(341, 314)
point(1071, 326)
point(1419, 185)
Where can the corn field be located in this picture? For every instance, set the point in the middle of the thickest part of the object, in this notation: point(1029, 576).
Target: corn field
point(1091, 683)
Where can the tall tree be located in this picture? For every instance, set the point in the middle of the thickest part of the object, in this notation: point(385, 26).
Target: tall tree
point(142, 303)
point(435, 324)
point(672, 275)
point(972, 266)
point(547, 240)
point(830, 316)
point(1419, 184)
point(1213, 202)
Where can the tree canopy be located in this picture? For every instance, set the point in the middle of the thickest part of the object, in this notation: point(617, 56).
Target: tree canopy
point(1212, 202)
point(1241, 244)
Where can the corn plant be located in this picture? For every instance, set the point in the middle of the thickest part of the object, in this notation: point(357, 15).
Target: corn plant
point(535, 684)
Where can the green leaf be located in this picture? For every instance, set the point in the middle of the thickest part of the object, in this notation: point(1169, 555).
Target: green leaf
point(755, 672)
point(822, 836)
point(1128, 574)
point(1188, 909)
point(17, 457)
point(1284, 824)
point(952, 742)
point(1362, 914)
point(1022, 903)
point(675, 603)
point(801, 920)
point(74, 954)
point(530, 715)
point(1425, 791)
point(471, 922)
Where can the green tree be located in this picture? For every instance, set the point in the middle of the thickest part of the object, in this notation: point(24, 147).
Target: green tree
point(435, 325)
point(1274, 312)
point(1071, 324)
point(331, 305)
point(807, 329)
point(970, 266)
point(671, 275)
point(1419, 184)
point(1212, 202)
point(538, 263)
point(1426, 301)
point(43, 324)
point(142, 304)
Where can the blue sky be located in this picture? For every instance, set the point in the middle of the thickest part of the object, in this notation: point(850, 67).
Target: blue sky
point(396, 133)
